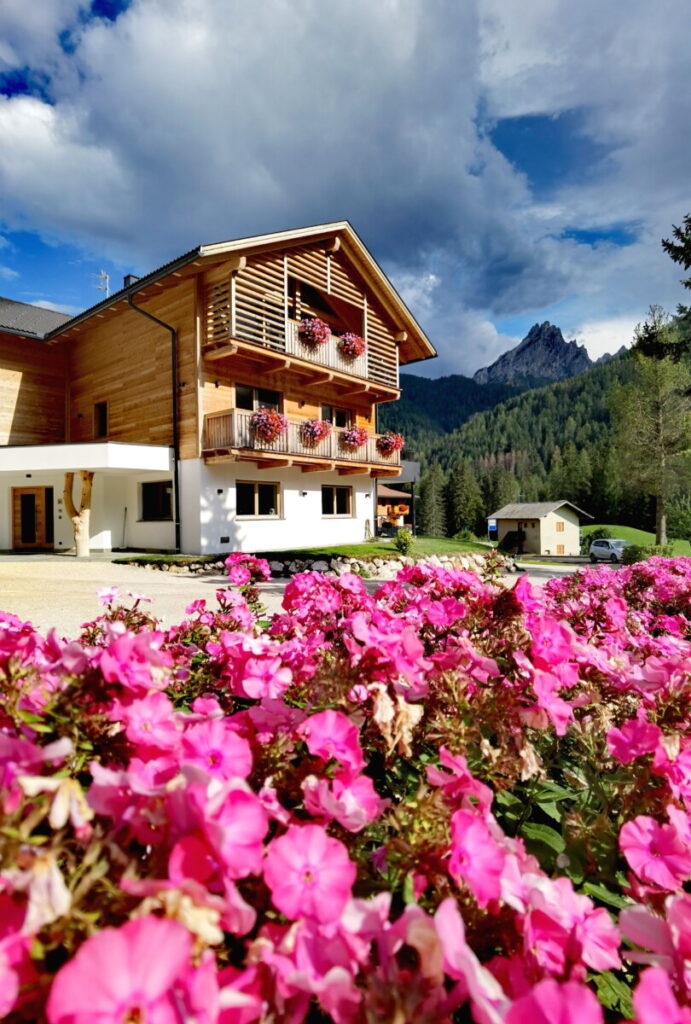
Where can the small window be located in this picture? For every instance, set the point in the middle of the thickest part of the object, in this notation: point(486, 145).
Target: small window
point(337, 501)
point(252, 398)
point(157, 501)
point(560, 526)
point(560, 549)
point(256, 499)
point(337, 417)
point(100, 419)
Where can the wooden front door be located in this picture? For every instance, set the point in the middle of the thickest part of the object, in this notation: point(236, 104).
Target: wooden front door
point(32, 517)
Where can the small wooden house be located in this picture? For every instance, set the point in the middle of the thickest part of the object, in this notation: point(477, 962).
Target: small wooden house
point(538, 527)
point(392, 506)
point(153, 394)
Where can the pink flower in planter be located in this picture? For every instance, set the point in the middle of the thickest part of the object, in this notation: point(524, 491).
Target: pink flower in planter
point(655, 1002)
point(331, 734)
point(476, 857)
point(268, 424)
point(123, 974)
point(354, 437)
point(552, 1003)
point(309, 874)
point(314, 431)
point(657, 853)
point(313, 331)
point(390, 442)
point(218, 749)
point(351, 345)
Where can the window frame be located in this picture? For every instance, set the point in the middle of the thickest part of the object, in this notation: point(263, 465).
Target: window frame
point(560, 526)
point(256, 484)
point(334, 410)
point(256, 403)
point(163, 485)
point(350, 514)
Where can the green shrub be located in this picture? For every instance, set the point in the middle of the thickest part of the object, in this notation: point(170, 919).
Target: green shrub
point(465, 536)
point(403, 541)
point(641, 552)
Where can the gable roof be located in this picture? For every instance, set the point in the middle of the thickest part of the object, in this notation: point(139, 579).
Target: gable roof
point(534, 510)
point(416, 345)
point(31, 321)
point(389, 492)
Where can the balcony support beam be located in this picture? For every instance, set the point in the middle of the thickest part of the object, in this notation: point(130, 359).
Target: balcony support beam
point(325, 467)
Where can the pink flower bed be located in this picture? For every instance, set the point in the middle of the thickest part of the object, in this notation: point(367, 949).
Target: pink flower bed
point(447, 801)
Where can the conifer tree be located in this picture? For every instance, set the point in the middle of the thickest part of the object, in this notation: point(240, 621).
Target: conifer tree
point(464, 499)
point(431, 516)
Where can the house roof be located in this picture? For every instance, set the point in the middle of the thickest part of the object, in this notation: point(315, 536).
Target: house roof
point(414, 344)
point(30, 321)
point(388, 492)
point(533, 510)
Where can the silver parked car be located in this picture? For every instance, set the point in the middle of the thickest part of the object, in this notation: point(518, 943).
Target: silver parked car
point(608, 550)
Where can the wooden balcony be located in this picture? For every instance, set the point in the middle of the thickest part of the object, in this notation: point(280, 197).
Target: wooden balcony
point(328, 354)
point(228, 436)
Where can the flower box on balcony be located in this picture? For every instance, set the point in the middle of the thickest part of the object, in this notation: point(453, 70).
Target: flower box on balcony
point(351, 345)
point(390, 442)
point(314, 431)
point(354, 437)
point(313, 331)
point(268, 424)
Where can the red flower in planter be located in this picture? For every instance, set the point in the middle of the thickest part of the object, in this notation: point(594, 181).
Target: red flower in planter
point(314, 431)
point(313, 331)
point(390, 442)
point(354, 437)
point(268, 424)
point(351, 345)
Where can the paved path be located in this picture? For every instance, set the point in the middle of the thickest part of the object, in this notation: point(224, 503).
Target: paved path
point(61, 591)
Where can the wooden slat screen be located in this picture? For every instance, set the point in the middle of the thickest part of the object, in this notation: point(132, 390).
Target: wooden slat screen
point(382, 351)
point(260, 302)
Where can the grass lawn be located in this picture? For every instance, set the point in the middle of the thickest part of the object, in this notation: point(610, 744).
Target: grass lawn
point(680, 547)
point(371, 549)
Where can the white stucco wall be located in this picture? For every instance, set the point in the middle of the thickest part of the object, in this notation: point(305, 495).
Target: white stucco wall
point(568, 538)
point(209, 515)
point(113, 492)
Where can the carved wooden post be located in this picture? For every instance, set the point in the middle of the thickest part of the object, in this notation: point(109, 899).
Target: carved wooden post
point(80, 517)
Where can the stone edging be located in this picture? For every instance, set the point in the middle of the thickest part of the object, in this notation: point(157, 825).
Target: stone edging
point(373, 568)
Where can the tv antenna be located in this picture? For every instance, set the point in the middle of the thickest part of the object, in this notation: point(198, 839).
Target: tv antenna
point(105, 287)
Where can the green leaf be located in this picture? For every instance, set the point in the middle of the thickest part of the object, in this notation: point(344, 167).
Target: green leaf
point(408, 893)
point(551, 791)
point(613, 992)
point(537, 833)
point(600, 892)
point(551, 810)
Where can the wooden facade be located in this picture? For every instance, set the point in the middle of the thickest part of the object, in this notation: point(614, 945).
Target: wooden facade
point(229, 313)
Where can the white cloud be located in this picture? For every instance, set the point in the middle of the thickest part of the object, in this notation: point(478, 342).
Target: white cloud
point(57, 307)
point(208, 119)
point(8, 274)
point(604, 336)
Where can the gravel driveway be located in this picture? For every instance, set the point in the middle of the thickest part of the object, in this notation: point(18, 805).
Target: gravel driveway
point(61, 591)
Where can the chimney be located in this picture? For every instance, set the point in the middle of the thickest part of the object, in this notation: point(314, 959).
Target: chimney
point(128, 280)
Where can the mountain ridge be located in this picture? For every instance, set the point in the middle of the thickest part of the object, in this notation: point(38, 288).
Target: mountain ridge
point(542, 357)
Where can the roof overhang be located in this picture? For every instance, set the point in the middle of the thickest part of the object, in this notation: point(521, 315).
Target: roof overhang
point(106, 456)
point(412, 341)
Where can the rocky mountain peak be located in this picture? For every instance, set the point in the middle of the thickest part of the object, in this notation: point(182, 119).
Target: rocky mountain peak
point(542, 357)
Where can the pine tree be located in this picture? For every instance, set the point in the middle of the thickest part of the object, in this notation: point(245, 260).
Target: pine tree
point(652, 418)
point(431, 518)
point(464, 500)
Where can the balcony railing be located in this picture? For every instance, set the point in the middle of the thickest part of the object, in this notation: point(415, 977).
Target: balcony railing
point(232, 430)
point(328, 354)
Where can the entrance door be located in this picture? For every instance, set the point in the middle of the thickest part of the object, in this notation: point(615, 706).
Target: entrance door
point(32, 517)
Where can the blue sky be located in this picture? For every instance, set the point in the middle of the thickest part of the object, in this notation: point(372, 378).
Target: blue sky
point(506, 163)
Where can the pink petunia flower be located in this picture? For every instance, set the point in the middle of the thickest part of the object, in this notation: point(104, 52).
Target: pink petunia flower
point(654, 1000)
point(309, 874)
point(331, 734)
point(476, 857)
point(657, 853)
point(552, 1003)
point(635, 738)
point(218, 749)
point(123, 974)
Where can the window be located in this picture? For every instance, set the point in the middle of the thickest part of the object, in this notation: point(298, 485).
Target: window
point(100, 419)
point(157, 501)
point(252, 398)
point(560, 526)
point(560, 549)
point(257, 499)
point(304, 300)
point(337, 501)
point(337, 417)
